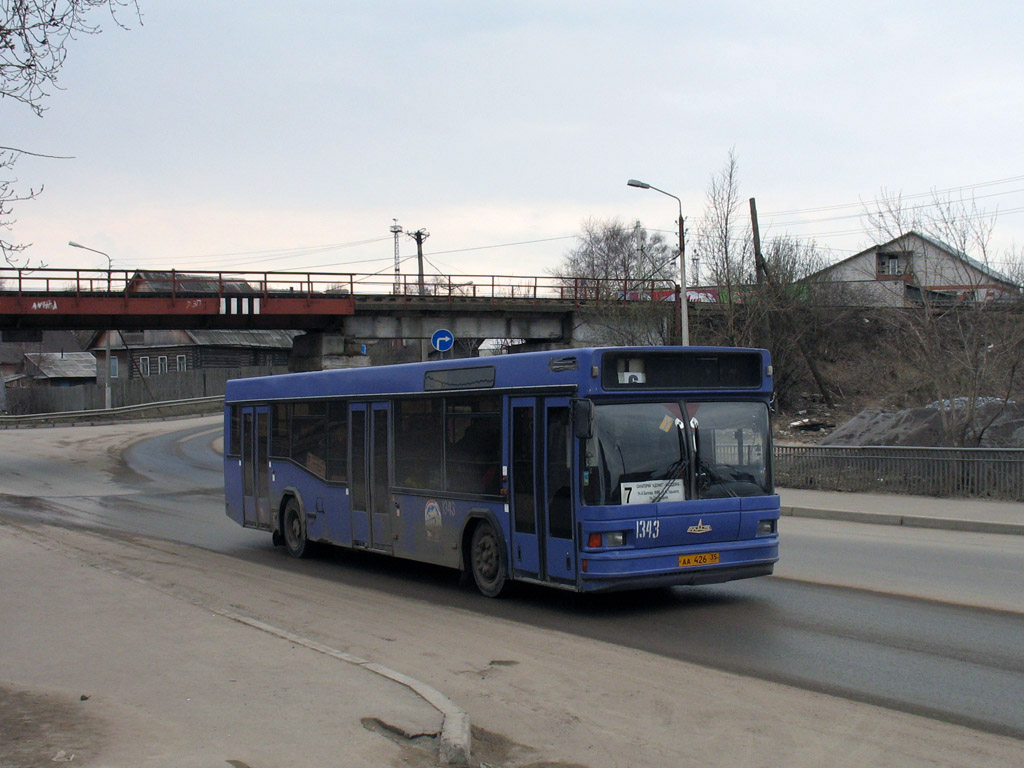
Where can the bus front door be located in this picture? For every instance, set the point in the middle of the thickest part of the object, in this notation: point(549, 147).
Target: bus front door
point(543, 545)
point(526, 506)
point(256, 467)
point(559, 544)
point(370, 485)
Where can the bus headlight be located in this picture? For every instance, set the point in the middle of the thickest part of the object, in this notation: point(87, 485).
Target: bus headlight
point(615, 539)
point(609, 539)
point(765, 527)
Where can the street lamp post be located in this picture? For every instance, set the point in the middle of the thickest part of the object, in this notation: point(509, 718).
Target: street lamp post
point(106, 353)
point(684, 323)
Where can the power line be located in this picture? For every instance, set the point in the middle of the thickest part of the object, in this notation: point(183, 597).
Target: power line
point(246, 257)
point(905, 197)
point(922, 206)
point(504, 245)
point(262, 256)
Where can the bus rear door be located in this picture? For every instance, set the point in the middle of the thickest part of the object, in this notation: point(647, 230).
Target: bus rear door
point(370, 484)
point(256, 467)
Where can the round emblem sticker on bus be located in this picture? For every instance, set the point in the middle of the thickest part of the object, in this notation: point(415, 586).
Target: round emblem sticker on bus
point(432, 520)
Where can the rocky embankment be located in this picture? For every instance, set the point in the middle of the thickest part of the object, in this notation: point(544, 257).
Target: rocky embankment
point(996, 424)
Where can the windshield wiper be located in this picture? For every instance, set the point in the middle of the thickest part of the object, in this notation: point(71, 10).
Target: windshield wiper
point(675, 469)
point(718, 480)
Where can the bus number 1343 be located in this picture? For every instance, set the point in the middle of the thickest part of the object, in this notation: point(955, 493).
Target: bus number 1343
point(647, 529)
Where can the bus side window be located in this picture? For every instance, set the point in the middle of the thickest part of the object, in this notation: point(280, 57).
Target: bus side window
point(337, 441)
point(419, 448)
point(472, 447)
point(280, 432)
point(309, 436)
point(235, 434)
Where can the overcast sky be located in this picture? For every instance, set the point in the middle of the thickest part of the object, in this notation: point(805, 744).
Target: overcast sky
point(263, 136)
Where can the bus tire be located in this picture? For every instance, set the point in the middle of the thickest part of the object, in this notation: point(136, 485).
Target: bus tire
point(294, 529)
point(486, 560)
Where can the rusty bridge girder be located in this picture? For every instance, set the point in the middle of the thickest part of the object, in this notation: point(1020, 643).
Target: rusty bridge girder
point(356, 305)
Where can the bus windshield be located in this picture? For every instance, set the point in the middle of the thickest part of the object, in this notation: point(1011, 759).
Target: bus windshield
point(642, 453)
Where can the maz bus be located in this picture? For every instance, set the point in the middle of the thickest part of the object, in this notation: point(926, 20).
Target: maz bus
point(584, 469)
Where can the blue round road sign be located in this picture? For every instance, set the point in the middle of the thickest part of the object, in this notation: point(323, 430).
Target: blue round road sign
point(442, 340)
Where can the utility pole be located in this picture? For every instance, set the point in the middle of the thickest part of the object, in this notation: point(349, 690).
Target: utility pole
point(684, 321)
point(419, 236)
point(638, 244)
point(760, 268)
point(396, 230)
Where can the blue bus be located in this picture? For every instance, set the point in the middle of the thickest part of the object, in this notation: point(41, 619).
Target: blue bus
point(584, 469)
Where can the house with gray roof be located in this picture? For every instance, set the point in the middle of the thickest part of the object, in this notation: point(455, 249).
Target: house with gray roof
point(15, 368)
point(915, 269)
point(61, 369)
point(152, 353)
point(185, 283)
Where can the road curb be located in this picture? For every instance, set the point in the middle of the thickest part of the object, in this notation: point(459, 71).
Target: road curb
point(456, 733)
point(908, 521)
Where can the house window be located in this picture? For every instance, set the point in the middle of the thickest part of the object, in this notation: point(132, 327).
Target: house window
point(182, 363)
point(161, 364)
point(144, 366)
point(113, 367)
point(892, 264)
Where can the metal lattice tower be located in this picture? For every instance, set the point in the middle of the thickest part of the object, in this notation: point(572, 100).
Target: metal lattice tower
point(396, 230)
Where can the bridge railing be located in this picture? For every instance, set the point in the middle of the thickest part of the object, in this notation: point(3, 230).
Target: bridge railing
point(94, 282)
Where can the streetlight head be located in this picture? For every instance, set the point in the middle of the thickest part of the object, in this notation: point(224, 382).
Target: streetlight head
point(639, 184)
point(73, 244)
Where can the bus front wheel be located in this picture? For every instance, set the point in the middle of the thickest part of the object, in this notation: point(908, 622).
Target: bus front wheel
point(294, 530)
point(486, 561)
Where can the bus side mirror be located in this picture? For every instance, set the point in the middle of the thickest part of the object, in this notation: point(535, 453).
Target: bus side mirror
point(582, 418)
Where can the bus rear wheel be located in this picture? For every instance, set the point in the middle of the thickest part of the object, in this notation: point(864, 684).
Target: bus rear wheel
point(486, 562)
point(295, 540)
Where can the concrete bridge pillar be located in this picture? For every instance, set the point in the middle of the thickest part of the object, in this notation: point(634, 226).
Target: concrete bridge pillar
point(323, 350)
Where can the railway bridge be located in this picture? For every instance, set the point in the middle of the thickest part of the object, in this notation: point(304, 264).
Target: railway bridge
point(336, 312)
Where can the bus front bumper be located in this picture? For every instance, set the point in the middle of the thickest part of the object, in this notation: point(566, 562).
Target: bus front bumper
point(643, 569)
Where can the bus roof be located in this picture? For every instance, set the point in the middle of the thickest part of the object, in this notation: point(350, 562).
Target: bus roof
point(587, 371)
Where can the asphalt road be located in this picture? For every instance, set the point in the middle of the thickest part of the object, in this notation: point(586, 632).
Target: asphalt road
point(843, 617)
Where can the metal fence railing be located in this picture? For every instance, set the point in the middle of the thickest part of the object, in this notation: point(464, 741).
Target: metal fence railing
point(994, 473)
point(45, 282)
point(167, 409)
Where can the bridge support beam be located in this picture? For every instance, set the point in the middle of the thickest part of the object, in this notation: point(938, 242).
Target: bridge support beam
point(467, 324)
point(342, 348)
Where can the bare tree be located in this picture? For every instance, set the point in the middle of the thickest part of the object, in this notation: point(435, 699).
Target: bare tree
point(724, 241)
point(775, 312)
point(628, 275)
point(444, 285)
point(34, 38)
point(617, 256)
point(9, 196)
